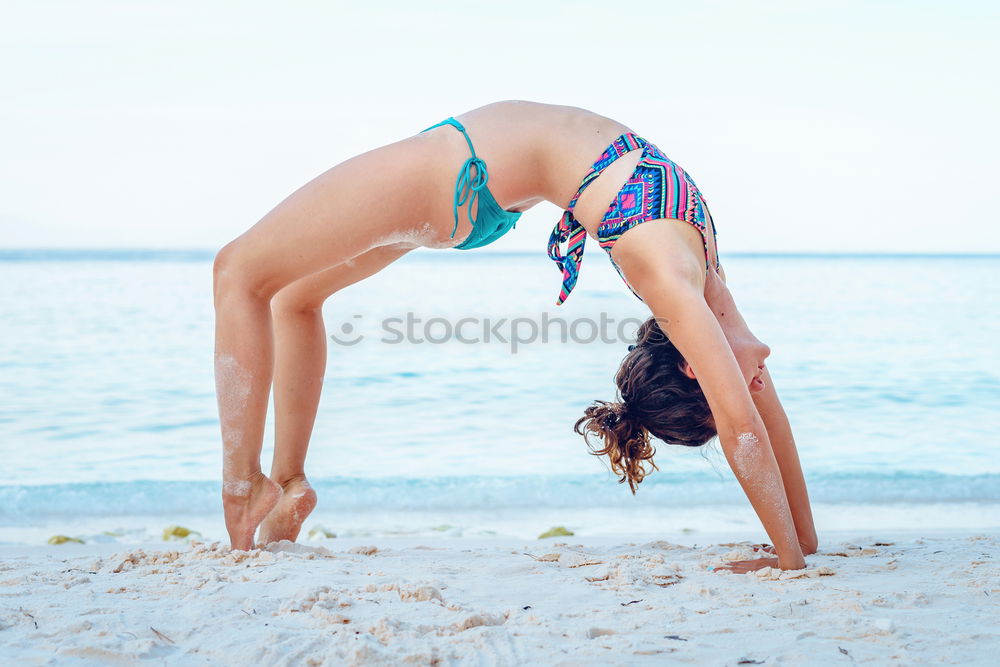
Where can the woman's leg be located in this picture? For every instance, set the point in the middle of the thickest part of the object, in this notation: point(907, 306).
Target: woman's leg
point(341, 214)
point(299, 364)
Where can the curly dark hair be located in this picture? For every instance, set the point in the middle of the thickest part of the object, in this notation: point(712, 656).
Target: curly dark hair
point(655, 398)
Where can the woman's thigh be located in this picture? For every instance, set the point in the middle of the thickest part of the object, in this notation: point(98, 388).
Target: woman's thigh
point(368, 201)
point(310, 292)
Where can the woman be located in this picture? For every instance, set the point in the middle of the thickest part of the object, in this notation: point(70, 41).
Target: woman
point(706, 375)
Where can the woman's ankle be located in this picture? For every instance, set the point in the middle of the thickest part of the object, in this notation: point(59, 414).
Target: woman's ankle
point(241, 486)
point(284, 480)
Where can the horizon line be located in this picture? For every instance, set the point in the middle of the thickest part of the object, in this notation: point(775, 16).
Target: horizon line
point(140, 253)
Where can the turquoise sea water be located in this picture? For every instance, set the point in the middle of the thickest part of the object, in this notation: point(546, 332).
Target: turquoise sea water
point(887, 366)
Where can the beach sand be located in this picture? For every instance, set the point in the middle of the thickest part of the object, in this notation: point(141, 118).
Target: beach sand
point(886, 599)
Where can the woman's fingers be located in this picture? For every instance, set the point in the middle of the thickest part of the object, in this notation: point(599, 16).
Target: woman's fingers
point(744, 566)
point(767, 548)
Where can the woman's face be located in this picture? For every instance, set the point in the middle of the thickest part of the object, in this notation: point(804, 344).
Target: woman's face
point(749, 351)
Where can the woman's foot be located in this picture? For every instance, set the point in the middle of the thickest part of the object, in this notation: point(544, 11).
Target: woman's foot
point(285, 521)
point(245, 504)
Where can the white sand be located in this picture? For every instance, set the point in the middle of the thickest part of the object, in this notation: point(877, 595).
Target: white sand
point(482, 601)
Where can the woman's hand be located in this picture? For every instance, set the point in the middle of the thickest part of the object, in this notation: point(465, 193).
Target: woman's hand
point(744, 566)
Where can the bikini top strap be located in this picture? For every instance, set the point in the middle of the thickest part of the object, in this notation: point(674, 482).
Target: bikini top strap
point(472, 176)
point(625, 143)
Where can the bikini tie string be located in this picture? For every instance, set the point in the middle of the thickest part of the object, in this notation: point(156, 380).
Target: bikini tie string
point(468, 186)
point(567, 230)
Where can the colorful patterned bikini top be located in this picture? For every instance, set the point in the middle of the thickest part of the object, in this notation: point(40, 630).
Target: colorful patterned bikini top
point(657, 189)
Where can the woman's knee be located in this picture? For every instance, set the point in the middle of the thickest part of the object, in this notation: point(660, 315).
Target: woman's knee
point(234, 273)
point(294, 300)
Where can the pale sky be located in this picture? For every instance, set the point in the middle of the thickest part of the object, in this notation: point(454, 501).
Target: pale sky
point(810, 126)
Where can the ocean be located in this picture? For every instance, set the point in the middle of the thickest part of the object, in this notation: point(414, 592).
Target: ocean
point(446, 411)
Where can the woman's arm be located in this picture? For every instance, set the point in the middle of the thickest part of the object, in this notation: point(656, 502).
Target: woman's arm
point(779, 432)
point(669, 280)
point(742, 431)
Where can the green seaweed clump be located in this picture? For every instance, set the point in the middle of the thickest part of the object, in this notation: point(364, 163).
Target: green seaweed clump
point(320, 531)
point(556, 531)
point(177, 533)
point(63, 539)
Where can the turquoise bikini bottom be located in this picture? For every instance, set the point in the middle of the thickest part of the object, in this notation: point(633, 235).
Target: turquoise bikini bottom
point(491, 221)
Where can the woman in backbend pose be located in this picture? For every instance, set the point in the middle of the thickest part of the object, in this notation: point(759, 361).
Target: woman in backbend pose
point(695, 372)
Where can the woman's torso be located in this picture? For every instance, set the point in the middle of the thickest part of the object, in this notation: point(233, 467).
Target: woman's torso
point(533, 152)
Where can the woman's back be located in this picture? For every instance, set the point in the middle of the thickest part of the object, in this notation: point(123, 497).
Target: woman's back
point(537, 151)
